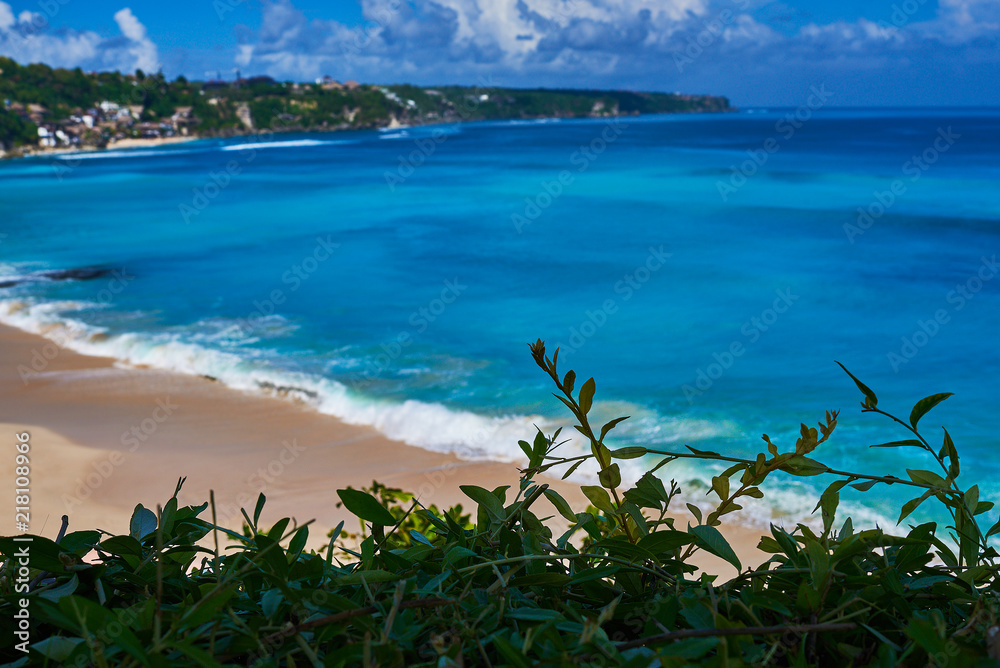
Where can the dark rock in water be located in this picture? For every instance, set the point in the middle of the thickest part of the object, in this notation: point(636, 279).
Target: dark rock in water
point(287, 390)
point(78, 274)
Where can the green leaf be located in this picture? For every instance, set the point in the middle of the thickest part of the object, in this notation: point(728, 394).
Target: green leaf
point(720, 484)
point(569, 380)
point(56, 648)
point(898, 444)
point(526, 449)
point(926, 477)
point(65, 589)
point(611, 425)
point(870, 399)
point(206, 608)
point(911, 505)
point(122, 546)
point(865, 486)
point(994, 530)
point(703, 453)
point(631, 452)
point(599, 497)
point(925, 405)
point(709, 539)
point(610, 477)
point(803, 466)
point(80, 542)
point(258, 508)
point(694, 510)
point(143, 522)
point(369, 576)
point(949, 449)
point(561, 504)
point(366, 507)
point(535, 614)
point(587, 395)
point(486, 500)
point(665, 540)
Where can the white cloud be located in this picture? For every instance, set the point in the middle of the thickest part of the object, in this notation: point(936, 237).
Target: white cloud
point(26, 39)
point(141, 47)
point(6, 17)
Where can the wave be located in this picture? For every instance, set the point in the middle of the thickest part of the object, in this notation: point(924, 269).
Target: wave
point(124, 153)
point(291, 143)
point(467, 434)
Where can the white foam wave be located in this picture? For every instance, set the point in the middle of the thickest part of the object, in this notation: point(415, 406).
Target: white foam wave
point(291, 143)
point(467, 434)
point(123, 153)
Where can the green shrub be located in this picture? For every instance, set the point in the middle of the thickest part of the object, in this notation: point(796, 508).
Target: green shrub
point(425, 588)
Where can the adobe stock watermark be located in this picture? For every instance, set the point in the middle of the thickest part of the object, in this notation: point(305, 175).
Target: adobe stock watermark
point(752, 330)
point(293, 277)
point(711, 32)
point(629, 284)
point(42, 357)
point(913, 169)
point(425, 147)
point(927, 329)
point(785, 128)
point(132, 439)
point(260, 481)
point(419, 321)
point(581, 159)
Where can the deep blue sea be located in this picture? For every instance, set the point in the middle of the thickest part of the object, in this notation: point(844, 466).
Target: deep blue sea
point(706, 269)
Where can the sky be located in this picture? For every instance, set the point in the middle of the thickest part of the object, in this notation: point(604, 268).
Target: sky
point(756, 52)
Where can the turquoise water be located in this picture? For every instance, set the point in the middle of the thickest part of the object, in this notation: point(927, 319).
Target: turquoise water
point(708, 270)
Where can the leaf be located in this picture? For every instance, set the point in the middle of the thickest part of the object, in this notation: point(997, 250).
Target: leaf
point(65, 589)
point(709, 539)
point(258, 508)
point(898, 444)
point(630, 452)
point(993, 530)
point(366, 507)
point(865, 486)
point(925, 405)
point(949, 449)
point(695, 510)
point(369, 576)
point(665, 541)
point(721, 486)
point(911, 505)
point(56, 648)
point(926, 477)
point(143, 522)
point(870, 399)
point(587, 395)
point(599, 497)
point(611, 425)
point(703, 453)
point(535, 614)
point(560, 503)
point(610, 477)
point(486, 500)
point(803, 466)
point(526, 449)
point(568, 381)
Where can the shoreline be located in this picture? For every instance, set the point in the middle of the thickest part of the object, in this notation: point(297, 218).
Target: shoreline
point(132, 143)
point(106, 436)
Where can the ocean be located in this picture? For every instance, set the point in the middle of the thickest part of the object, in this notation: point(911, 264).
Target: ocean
point(707, 270)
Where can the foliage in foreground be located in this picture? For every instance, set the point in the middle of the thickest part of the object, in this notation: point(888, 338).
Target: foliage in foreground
point(615, 587)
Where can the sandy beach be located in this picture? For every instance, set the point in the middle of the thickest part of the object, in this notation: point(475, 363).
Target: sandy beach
point(105, 437)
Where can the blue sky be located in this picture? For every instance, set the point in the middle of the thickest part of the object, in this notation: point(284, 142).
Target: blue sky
point(757, 52)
